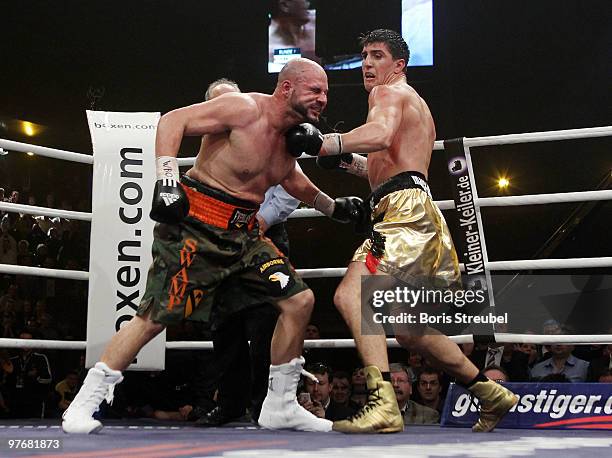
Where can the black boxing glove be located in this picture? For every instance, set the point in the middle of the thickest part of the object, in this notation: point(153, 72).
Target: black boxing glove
point(303, 138)
point(343, 210)
point(170, 203)
point(341, 162)
point(349, 210)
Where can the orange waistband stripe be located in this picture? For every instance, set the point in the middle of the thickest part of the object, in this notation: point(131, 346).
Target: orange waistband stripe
point(218, 213)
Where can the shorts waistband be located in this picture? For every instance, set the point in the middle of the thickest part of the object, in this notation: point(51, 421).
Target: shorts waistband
point(217, 208)
point(404, 180)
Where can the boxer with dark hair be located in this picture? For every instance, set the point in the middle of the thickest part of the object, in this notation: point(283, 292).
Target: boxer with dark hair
point(408, 238)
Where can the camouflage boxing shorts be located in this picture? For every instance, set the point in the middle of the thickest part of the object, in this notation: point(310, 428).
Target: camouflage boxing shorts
point(214, 259)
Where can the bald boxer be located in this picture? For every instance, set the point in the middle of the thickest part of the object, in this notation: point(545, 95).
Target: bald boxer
point(208, 243)
point(409, 237)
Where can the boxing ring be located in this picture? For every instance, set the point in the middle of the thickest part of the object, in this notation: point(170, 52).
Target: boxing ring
point(152, 439)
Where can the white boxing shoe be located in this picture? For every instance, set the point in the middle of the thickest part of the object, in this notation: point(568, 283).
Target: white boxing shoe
point(280, 409)
point(98, 386)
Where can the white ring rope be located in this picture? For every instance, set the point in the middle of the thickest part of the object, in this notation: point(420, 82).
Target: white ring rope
point(312, 213)
point(13, 269)
point(539, 199)
point(322, 273)
point(330, 272)
point(44, 211)
point(529, 137)
point(538, 339)
point(540, 264)
point(48, 152)
point(530, 199)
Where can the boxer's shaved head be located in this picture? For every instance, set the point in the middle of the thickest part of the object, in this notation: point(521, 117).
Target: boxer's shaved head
point(303, 83)
point(298, 69)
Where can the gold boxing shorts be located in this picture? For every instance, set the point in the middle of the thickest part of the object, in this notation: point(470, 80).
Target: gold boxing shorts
point(409, 236)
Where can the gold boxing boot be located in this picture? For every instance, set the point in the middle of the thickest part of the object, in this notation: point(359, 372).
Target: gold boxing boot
point(380, 414)
point(495, 402)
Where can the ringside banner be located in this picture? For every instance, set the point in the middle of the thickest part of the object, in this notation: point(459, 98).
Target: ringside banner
point(540, 406)
point(470, 243)
point(121, 230)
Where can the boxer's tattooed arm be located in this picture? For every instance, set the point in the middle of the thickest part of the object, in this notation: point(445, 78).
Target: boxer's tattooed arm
point(358, 166)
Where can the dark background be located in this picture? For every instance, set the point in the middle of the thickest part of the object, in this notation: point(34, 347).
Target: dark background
point(501, 66)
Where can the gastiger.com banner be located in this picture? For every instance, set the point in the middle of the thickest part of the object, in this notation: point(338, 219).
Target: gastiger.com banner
point(121, 230)
point(540, 406)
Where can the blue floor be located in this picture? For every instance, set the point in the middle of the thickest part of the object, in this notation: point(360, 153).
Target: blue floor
point(151, 439)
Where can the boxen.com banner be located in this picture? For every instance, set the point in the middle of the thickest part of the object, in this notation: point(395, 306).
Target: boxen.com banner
point(540, 406)
point(121, 230)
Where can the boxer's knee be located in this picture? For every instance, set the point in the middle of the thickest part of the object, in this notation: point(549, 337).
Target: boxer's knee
point(300, 304)
point(307, 302)
point(344, 299)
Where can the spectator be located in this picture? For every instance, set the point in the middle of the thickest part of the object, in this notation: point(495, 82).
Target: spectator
point(42, 251)
point(496, 373)
point(319, 392)
point(563, 362)
point(340, 388)
point(415, 360)
point(24, 256)
point(6, 367)
point(605, 377)
point(47, 329)
point(26, 315)
point(66, 390)
point(36, 236)
point(600, 365)
point(22, 226)
point(5, 224)
point(531, 350)
point(359, 391)
point(312, 355)
point(40, 309)
point(8, 250)
point(54, 242)
point(340, 406)
point(50, 200)
point(73, 246)
point(320, 403)
point(29, 382)
point(515, 363)
point(429, 388)
point(550, 327)
point(412, 413)
point(312, 332)
point(9, 325)
point(9, 302)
